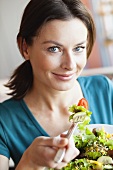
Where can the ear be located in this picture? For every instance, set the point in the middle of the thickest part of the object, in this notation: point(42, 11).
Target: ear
point(23, 47)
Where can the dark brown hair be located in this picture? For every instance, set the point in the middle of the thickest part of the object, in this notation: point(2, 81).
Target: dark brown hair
point(36, 14)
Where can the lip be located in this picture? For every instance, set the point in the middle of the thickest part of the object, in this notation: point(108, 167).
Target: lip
point(64, 77)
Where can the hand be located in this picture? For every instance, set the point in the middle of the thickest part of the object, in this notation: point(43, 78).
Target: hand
point(71, 152)
point(42, 151)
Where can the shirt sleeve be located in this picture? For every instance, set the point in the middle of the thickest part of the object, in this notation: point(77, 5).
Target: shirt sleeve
point(3, 144)
point(102, 100)
point(98, 90)
point(110, 91)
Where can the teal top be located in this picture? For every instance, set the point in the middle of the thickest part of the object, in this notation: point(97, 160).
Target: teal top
point(18, 127)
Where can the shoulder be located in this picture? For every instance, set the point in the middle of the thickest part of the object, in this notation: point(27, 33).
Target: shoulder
point(92, 78)
point(96, 81)
point(9, 108)
point(8, 104)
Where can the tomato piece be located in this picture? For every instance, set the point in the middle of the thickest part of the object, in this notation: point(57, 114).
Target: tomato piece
point(83, 102)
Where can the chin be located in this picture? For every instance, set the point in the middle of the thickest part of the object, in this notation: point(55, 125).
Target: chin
point(65, 88)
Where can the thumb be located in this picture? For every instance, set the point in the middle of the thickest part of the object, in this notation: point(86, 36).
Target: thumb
point(52, 141)
point(60, 141)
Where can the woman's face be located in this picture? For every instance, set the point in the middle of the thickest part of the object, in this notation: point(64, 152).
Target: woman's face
point(58, 54)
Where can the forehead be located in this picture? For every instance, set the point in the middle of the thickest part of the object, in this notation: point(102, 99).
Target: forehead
point(73, 29)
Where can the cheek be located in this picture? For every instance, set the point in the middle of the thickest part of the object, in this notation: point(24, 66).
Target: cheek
point(82, 60)
point(45, 64)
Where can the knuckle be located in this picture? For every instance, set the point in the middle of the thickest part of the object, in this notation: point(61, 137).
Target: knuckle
point(52, 164)
point(71, 153)
point(77, 152)
point(61, 165)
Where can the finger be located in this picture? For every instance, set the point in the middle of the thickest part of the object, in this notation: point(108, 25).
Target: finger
point(52, 141)
point(71, 151)
point(61, 165)
point(70, 154)
point(63, 135)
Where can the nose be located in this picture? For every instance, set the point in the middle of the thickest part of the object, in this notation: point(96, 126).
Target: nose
point(68, 61)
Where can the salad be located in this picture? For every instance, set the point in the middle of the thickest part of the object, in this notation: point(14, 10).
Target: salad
point(96, 150)
point(96, 146)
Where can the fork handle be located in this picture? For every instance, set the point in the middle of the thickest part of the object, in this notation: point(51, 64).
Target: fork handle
point(61, 152)
point(60, 155)
point(71, 130)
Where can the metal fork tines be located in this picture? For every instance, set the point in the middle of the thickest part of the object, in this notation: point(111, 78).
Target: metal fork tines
point(79, 119)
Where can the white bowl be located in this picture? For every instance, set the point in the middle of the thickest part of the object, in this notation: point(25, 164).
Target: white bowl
point(107, 128)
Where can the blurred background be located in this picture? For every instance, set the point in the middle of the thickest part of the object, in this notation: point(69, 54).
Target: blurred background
point(10, 17)
point(100, 61)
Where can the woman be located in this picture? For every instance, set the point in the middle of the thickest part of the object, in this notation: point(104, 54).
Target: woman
point(55, 39)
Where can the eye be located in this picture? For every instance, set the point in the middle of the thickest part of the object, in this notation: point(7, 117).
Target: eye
point(54, 49)
point(79, 48)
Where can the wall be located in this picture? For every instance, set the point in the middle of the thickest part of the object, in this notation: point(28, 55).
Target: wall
point(94, 59)
point(10, 15)
point(10, 58)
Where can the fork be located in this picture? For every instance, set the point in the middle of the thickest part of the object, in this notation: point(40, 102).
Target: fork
point(77, 118)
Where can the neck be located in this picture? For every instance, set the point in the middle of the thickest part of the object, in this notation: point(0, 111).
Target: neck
point(54, 100)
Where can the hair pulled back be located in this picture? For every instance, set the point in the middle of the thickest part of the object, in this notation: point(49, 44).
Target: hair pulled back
point(36, 14)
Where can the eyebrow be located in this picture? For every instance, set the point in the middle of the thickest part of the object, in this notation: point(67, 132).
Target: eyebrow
point(82, 42)
point(54, 42)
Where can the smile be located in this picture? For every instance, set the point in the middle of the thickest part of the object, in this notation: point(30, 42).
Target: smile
point(64, 77)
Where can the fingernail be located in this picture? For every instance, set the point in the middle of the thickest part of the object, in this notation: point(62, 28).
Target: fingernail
point(77, 152)
point(62, 141)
